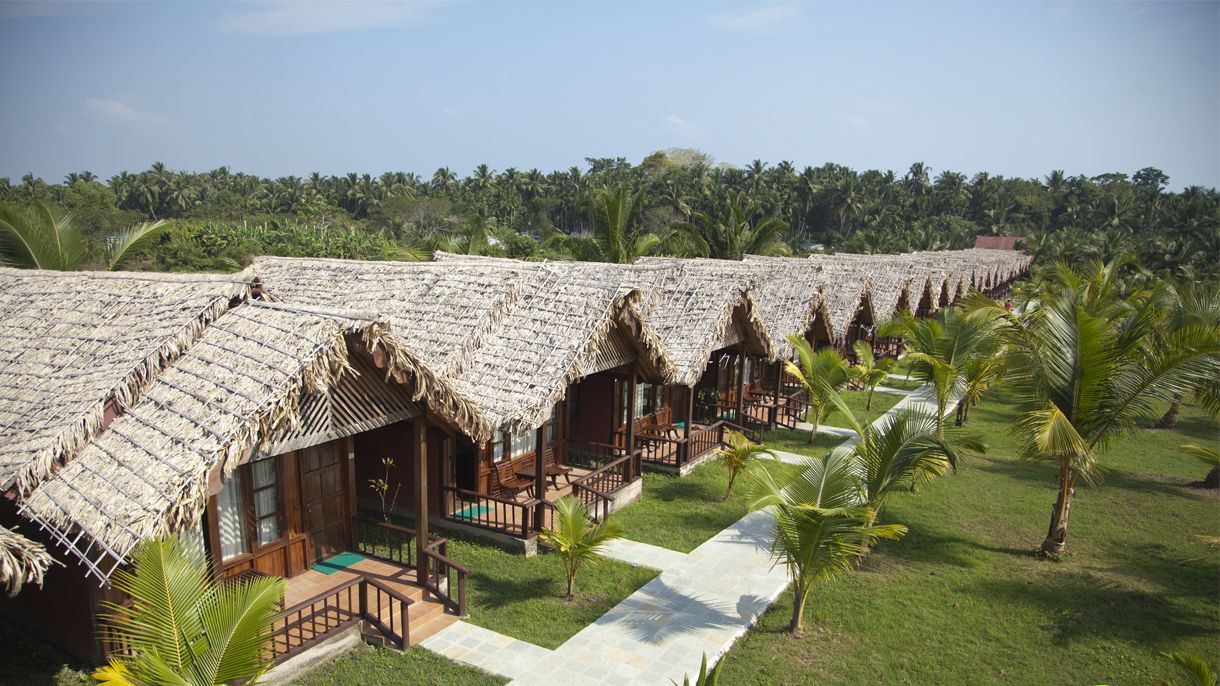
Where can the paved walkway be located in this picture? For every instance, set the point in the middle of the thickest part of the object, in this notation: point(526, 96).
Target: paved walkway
point(700, 604)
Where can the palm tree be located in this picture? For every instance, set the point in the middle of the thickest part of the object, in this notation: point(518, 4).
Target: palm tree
point(821, 524)
point(731, 236)
point(1085, 368)
point(939, 350)
point(616, 231)
point(906, 452)
point(822, 373)
point(185, 628)
point(576, 538)
point(740, 456)
point(869, 371)
point(38, 239)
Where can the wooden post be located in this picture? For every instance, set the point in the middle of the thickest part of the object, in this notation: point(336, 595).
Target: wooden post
point(539, 473)
point(741, 384)
point(421, 498)
point(779, 384)
point(690, 418)
point(631, 415)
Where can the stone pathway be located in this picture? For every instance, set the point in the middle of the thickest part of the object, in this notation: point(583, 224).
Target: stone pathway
point(700, 604)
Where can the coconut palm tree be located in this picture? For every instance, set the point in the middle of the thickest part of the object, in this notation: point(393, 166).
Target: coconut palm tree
point(869, 371)
point(740, 456)
point(732, 235)
point(576, 538)
point(39, 239)
point(185, 628)
point(617, 234)
point(822, 373)
point(1085, 369)
point(908, 451)
point(821, 524)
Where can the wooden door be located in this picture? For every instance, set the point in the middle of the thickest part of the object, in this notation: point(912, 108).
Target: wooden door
point(323, 476)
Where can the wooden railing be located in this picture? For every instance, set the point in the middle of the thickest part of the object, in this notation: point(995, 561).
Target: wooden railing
point(441, 569)
point(660, 450)
point(596, 489)
point(591, 455)
point(312, 621)
point(394, 543)
point(491, 512)
point(389, 542)
point(704, 441)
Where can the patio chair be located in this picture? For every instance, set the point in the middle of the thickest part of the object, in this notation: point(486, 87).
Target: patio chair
point(510, 483)
point(554, 469)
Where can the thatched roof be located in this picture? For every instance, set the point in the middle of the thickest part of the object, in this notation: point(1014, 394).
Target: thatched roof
point(71, 341)
point(237, 387)
point(22, 561)
point(508, 336)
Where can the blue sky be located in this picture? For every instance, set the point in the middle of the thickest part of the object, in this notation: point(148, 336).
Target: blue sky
point(286, 89)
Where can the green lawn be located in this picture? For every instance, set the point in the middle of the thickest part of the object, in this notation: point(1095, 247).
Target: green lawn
point(681, 513)
point(416, 666)
point(523, 597)
point(856, 400)
point(963, 598)
point(797, 441)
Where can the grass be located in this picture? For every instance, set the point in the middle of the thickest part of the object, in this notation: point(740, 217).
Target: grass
point(681, 513)
point(963, 598)
point(415, 666)
point(797, 441)
point(856, 400)
point(523, 597)
point(898, 378)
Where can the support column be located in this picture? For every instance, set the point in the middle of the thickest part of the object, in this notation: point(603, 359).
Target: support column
point(690, 418)
point(779, 384)
point(539, 474)
point(631, 414)
point(421, 498)
point(741, 383)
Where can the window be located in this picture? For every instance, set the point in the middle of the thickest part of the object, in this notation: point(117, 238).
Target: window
point(265, 494)
point(522, 443)
point(229, 518)
point(552, 424)
point(254, 489)
point(643, 400)
point(497, 450)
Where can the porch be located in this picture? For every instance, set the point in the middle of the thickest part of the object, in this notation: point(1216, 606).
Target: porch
point(378, 586)
point(597, 474)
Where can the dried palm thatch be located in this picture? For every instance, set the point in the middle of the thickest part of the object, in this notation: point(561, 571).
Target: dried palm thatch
point(22, 561)
point(72, 341)
point(508, 336)
point(234, 390)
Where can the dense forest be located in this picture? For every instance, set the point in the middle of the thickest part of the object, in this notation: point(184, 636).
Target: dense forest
point(677, 201)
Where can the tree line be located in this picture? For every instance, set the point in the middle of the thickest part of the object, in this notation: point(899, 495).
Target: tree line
point(677, 202)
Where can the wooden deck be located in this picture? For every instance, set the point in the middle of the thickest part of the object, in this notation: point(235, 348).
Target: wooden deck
point(340, 605)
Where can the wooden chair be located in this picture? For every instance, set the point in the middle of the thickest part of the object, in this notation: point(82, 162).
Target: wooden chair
point(554, 469)
point(510, 483)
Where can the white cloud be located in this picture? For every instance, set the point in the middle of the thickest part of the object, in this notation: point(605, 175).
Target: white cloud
point(449, 112)
point(295, 18)
point(763, 17)
point(124, 112)
point(682, 126)
point(858, 122)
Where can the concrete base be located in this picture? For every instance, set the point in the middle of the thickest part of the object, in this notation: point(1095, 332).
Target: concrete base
point(686, 468)
point(518, 546)
point(316, 657)
point(626, 495)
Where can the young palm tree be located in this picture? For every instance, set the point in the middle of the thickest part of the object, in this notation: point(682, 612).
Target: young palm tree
point(1085, 368)
point(822, 526)
point(740, 457)
point(869, 371)
point(183, 627)
point(38, 239)
point(823, 373)
point(576, 538)
point(905, 453)
point(939, 350)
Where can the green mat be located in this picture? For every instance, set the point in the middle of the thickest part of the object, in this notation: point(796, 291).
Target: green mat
point(472, 512)
point(338, 562)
